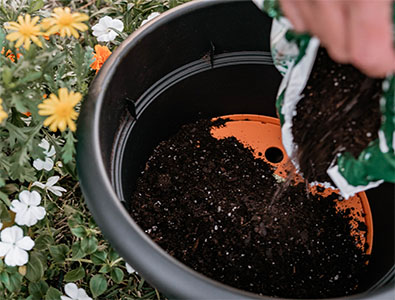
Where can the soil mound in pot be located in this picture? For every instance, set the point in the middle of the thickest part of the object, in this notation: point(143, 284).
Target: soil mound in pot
point(339, 112)
point(208, 203)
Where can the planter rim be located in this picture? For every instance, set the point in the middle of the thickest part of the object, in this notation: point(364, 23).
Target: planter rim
point(164, 272)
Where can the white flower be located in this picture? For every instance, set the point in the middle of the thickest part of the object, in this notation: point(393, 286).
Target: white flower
point(14, 246)
point(150, 17)
point(130, 269)
point(57, 190)
point(104, 29)
point(74, 293)
point(26, 208)
point(46, 164)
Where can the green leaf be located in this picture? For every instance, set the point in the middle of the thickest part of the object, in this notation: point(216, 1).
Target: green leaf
point(113, 255)
point(98, 285)
point(77, 252)
point(4, 198)
point(75, 275)
point(14, 283)
point(105, 269)
point(5, 278)
point(2, 36)
point(99, 257)
point(68, 148)
point(35, 5)
point(35, 268)
point(22, 173)
point(16, 134)
point(117, 275)
point(53, 294)
point(4, 213)
point(79, 231)
point(38, 289)
point(7, 76)
point(89, 244)
point(43, 242)
point(31, 76)
point(59, 252)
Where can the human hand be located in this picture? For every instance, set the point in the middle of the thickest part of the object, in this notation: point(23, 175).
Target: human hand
point(359, 32)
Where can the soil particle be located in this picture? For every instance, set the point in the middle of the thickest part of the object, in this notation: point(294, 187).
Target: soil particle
point(339, 112)
point(208, 203)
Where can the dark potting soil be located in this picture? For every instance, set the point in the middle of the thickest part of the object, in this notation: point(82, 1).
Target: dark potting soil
point(207, 202)
point(339, 112)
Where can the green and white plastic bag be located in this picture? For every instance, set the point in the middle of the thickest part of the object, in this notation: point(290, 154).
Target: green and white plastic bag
point(294, 56)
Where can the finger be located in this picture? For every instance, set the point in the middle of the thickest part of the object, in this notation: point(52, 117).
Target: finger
point(371, 36)
point(291, 9)
point(329, 27)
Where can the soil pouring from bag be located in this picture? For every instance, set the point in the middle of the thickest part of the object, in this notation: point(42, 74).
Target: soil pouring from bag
point(339, 111)
point(209, 203)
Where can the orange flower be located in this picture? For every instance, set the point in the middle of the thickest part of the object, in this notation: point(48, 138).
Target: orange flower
point(10, 55)
point(101, 55)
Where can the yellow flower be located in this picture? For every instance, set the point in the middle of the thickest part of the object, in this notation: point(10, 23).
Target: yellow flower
point(24, 31)
point(60, 110)
point(3, 114)
point(65, 23)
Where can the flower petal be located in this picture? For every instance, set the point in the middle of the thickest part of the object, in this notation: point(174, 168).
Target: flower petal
point(11, 234)
point(118, 25)
point(51, 152)
point(150, 17)
point(106, 21)
point(23, 217)
point(71, 290)
point(35, 198)
point(17, 206)
point(24, 197)
point(26, 243)
point(63, 94)
point(52, 180)
point(44, 144)
point(98, 27)
point(112, 35)
point(57, 190)
point(16, 257)
point(82, 295)
point(13, 36)
point(4, 248)
point(39, 184)
point(38, 164)
point(48, 164)
point(38, 212)
point(129, 269)
point(104, 38)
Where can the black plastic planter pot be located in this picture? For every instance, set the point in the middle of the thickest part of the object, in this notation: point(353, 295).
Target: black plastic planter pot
point(200, 60)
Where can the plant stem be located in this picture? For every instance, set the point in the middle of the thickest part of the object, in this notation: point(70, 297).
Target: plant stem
point(80, 260)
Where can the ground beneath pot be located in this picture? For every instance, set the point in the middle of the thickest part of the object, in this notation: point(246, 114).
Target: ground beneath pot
point(208, 203)
point(339, 112)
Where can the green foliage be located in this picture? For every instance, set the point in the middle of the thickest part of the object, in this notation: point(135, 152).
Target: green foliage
point(75, 275)
point(98, 285)
point(53, 294)
point(69, 247)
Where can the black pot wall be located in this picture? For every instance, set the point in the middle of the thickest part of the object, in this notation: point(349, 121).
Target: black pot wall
point(200, 60)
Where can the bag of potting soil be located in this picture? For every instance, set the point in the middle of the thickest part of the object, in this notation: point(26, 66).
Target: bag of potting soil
point(357, 164)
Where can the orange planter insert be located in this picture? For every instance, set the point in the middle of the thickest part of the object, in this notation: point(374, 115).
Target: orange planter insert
point(263, 135)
